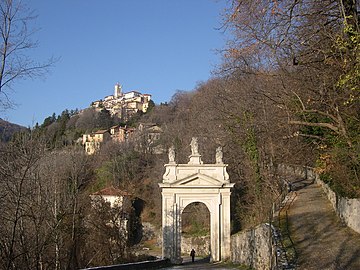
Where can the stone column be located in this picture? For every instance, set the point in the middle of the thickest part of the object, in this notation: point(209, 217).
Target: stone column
point(171, 227)
point(225, 224)
point(167, 226)
point(177, 231)
point(215, 231)
point(176, 258)
point(213, 236)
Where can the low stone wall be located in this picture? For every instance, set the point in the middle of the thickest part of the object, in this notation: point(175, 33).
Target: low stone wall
point(157, 264)
point(296, 171)
point(201, 244)
point(347, 209)
point(253, 248)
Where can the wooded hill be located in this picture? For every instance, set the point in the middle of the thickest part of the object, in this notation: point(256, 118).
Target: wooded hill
point(286, 92)
point(7, 130)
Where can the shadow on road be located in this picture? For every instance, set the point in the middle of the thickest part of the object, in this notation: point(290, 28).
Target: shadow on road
point(199, 264)
point(300, 183)
point(197, 261)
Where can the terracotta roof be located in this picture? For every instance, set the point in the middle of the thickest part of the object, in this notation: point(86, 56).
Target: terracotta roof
point(111, 191)
point(100, 131)
point(147, 124)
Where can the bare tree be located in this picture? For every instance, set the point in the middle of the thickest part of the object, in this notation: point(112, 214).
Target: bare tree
point(312, 49)
point(15, 44)
point(311, 46)
point(24, 233)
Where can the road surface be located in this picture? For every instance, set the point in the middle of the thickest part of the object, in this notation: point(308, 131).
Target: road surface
point(321, 239)
point(199, 264)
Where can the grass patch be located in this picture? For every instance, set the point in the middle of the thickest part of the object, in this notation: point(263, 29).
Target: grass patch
point(195, 229)
point(286, 241)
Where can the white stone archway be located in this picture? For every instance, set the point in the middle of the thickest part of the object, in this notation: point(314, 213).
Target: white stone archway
point(184, 184)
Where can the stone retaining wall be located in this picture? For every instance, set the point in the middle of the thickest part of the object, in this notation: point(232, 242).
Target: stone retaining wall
point(135, 266)
point(253, 248)
point(347, 209)
point(201, 244)
point(296, 171)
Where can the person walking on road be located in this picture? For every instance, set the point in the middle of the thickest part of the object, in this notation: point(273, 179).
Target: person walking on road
point(192, 254)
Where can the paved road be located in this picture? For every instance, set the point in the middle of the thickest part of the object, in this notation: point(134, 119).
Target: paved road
point(321, 239)
point(199, 264)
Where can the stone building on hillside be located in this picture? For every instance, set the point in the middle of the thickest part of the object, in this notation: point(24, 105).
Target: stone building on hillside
point(122, 104)
point(120, 208)
point(115, 197)
point(93, 141)
point(146, 136)
point(121, 134)
point(125, 211)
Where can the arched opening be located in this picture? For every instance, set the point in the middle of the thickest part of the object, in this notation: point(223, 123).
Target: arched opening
point(195, 230)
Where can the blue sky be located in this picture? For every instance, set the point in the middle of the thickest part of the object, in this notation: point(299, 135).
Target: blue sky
point(153, 46)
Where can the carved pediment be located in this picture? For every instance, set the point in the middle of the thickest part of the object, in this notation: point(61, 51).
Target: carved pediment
point(198, 179)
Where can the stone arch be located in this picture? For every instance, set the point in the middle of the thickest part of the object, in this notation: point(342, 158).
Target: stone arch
point(194, 201)
point(195, 219)
point(196, 182)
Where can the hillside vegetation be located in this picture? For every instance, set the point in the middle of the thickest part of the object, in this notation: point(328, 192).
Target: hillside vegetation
point(286, 92)
point(7, 130)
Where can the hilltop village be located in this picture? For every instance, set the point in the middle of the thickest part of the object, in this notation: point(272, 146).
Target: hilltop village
point(123, 105)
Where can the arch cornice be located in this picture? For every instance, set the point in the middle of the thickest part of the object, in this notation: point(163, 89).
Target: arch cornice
point(175, 172)
point(197, 180)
